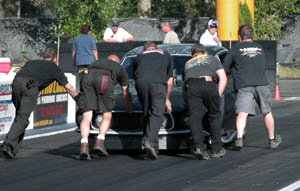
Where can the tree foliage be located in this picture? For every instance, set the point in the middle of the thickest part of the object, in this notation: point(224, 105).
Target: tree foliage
point(268, 23)
point(97, 13)
point(183, 8)
point(245, 17)
point(269, 17)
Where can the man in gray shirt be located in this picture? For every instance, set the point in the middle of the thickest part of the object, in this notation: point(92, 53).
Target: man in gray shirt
point(171, 37)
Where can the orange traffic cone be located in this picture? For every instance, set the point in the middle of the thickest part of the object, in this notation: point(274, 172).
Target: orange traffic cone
point(276, 93)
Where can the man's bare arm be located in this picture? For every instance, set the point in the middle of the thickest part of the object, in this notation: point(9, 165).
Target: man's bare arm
point(222, 80)
point(169, 89)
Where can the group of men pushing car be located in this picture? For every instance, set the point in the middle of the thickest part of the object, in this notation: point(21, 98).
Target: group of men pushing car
point(153, 74)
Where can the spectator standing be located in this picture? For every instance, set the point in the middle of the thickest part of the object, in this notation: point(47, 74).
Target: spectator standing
point(116, 34)
point(84, 50)
point(199, 91)
point(153, 70)
point(171, 37)
point(247, 63)
point(33, 77)
point(97, 95)
point(210, 36)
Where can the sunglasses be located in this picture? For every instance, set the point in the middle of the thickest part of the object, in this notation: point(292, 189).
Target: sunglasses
point(115, 25)
point(213, 27)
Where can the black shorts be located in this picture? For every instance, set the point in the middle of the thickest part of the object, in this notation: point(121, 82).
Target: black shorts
point(92, 96)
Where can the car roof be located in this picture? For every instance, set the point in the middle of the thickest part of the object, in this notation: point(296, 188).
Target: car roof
point(179, 49)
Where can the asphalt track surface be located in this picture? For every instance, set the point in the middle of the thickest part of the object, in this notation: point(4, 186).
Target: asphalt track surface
point(52, 163)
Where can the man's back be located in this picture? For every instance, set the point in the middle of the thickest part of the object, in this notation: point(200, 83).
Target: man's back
point(84, 45)
point(44, 72)
point(171, 38)
point(153, 66)
point(118, 73)
point(247, 60)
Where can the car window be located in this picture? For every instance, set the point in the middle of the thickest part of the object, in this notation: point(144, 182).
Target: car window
point(128, 65)
point(222, 56)
point(179, 62)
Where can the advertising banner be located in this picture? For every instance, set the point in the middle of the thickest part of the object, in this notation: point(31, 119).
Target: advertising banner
point(52, 106)
point(7, 109)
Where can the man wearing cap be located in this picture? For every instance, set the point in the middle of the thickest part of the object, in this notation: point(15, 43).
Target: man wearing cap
point(34, 76)
point(116, 34)
point(171, 37)
point(210, 37)
point(199, 91)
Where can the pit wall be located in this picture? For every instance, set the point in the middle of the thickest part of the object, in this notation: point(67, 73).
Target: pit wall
point(54, 105)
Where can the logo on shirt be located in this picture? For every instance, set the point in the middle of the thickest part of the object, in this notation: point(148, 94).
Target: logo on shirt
point(197, 61)
point(152, 51)
point(250, 52)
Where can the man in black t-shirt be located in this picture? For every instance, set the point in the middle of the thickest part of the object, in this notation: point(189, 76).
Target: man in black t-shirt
point(97, 95)
point(34, 76)
point(153, 73)
point(247, 63)
point(199, 91)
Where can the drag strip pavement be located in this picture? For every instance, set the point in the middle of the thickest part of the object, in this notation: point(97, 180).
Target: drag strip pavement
point(52, 163)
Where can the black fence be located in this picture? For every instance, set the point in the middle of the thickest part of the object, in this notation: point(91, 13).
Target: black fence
point(120, 49)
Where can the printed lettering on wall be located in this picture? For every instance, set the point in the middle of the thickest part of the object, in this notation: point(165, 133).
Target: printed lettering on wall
point(52, 106)
point(7, 109)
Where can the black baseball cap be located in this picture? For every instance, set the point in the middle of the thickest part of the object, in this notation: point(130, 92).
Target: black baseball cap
point(115, 23)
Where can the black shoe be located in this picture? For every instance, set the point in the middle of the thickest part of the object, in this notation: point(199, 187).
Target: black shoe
point(7, 151)
point(219, 153)
point(200, 154)
point(150, 151)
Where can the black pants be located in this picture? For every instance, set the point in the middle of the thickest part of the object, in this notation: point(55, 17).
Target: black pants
point(153, 100)
point(202, 94)
point(24, 96)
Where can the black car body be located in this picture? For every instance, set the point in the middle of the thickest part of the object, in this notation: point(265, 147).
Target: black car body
point(126, 129)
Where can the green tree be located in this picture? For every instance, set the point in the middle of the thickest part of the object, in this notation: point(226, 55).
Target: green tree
point(171, 8)
point(97, 13)
point(245, 17)
point(183, 8)
point(269, 16)
point(129, 9)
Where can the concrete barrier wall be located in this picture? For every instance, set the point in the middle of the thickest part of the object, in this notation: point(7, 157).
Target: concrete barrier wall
point(54, 107)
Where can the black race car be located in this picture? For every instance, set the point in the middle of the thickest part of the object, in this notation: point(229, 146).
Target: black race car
point(126, 129)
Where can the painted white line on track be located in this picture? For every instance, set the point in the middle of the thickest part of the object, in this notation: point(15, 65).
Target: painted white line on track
point(291, 99)
point(293, 187)
point(48, 134)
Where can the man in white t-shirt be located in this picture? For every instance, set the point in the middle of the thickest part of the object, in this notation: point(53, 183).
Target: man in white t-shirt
point(116, 34)
point(210, 37)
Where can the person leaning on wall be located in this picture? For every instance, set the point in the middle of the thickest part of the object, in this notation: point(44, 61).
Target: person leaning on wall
point(84, 50)
point(117, 34)
point(171, 36)
point(210, 36)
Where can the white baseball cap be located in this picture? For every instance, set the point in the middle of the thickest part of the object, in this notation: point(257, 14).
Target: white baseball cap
point(212, 23)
